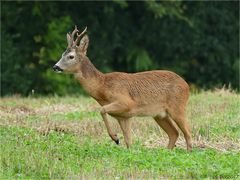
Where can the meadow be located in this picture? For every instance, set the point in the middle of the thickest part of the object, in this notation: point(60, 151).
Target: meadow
point(65, 137)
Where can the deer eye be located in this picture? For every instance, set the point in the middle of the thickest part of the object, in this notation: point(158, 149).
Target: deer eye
point(71, 57)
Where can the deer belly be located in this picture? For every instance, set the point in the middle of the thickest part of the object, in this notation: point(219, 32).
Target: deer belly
point(149, 110)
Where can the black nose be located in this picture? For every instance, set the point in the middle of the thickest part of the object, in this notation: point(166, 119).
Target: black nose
point(57, 68)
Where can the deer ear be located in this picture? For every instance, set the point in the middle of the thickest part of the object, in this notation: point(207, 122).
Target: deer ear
point(84, 44)
point(68, 39)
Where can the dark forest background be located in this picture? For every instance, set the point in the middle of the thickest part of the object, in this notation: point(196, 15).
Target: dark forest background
point(197, 40)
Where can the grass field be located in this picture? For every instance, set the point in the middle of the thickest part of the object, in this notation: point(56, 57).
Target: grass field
point(64, 137)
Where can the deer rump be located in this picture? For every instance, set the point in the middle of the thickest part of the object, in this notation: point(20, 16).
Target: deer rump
point(147, 93)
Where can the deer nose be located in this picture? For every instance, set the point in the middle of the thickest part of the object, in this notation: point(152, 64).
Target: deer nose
point(57, 68)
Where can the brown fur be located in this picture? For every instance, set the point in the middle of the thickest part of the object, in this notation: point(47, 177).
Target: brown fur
point(160, 94)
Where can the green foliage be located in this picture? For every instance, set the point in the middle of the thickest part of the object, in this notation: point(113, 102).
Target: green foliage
point(198, 40)
point(140, 59)
point(13, 66)
point(53, 40)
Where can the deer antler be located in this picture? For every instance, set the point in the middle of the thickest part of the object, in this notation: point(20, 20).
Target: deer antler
point(74, 32)
point(79, 36)
point(71, 37)
point(71, 42)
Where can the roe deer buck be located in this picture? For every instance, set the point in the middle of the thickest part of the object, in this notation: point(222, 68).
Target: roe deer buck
point(160, 94)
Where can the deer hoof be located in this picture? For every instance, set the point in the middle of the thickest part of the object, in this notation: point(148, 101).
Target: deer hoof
point(117, 141)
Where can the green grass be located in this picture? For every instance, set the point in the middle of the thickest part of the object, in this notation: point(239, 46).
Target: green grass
point(65, 138)
point(27, 154)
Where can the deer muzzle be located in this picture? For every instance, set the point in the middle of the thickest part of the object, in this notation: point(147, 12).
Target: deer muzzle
point(57, 68)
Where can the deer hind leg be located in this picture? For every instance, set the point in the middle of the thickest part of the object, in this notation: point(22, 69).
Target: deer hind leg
point(166, 124)
point(112, 108)
point(125, 125)
point(182, 123)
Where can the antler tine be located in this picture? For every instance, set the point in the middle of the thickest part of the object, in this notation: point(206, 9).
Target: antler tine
point(74, 32)
point(79, 36)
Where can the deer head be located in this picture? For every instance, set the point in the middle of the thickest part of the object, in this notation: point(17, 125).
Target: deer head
point(76, 51)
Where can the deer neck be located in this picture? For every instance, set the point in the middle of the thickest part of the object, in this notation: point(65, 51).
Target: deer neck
point(89, 77)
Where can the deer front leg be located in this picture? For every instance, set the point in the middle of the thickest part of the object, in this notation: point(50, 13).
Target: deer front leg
point(113, 108)
point(125, 125)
